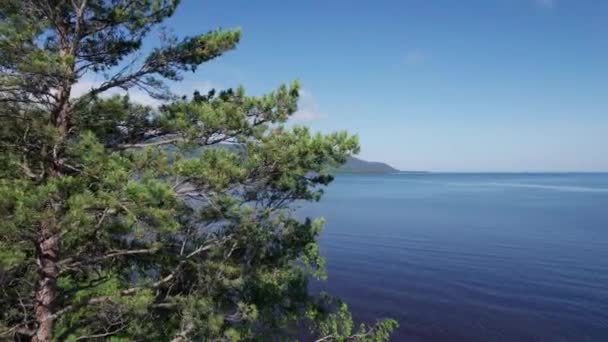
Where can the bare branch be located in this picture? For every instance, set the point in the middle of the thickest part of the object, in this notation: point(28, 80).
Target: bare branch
point(183, 334)
point(109, 333)
point(149, 144)
point(71, 264)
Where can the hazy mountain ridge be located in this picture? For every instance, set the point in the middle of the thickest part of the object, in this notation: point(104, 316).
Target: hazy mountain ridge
point(352, 165)
point(356, 165)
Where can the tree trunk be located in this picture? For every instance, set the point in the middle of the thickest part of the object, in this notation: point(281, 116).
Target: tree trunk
point(47, 244)
point(47, 250)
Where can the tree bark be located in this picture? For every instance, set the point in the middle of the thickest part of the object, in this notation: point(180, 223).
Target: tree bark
point(47, 250)
point(47, 244)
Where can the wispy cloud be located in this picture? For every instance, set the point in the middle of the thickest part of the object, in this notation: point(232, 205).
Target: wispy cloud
point(546, 3)
point(188, 87)
point(415, 57)
point(308, 108)
point(140, 96)
point(136, 95)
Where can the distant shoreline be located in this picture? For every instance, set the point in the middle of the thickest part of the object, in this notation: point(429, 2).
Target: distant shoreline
point(339, 171)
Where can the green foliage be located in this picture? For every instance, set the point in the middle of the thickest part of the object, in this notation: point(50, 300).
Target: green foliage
point(138, 223)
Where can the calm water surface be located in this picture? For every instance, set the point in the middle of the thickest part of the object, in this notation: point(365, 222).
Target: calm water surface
point(471, 257)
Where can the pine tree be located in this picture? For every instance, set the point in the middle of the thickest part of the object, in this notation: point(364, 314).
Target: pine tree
point(125, 222)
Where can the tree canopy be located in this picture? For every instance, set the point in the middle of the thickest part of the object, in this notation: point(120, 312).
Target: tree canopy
point(126, 222)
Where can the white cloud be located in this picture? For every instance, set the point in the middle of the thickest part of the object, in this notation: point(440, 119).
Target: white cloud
point(140, 96)
point(546, 3)
point(136, 95)
point(188, 87)
point(82, 87)
point(415, 56)
point(308, 108)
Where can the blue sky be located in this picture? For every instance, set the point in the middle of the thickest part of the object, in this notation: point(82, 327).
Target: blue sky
point(441, 85)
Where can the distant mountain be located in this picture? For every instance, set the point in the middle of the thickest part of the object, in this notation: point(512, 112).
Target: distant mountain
point(356, 165)
point(352, 165)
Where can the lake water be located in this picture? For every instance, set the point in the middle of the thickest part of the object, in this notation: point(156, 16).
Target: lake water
point(471, 257)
